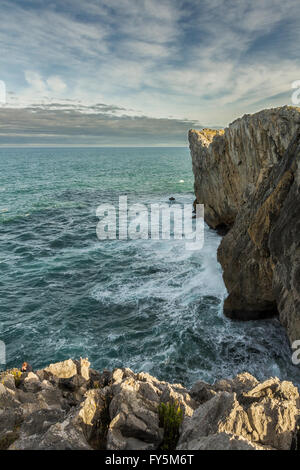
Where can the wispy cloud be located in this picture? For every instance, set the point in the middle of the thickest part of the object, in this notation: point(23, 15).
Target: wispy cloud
point(172, 60)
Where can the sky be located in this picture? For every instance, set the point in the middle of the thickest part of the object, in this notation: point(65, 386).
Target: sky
point(141, 72)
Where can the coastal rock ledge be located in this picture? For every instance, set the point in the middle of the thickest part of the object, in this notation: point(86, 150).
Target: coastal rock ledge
point(68, 406)
point(248, 178)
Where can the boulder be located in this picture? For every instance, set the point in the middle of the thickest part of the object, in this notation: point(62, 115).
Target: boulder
point(31, 383)
point(63, 370)
point(202, 392)
point(62, 435)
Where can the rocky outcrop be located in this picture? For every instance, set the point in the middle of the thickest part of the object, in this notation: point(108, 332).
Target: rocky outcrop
point(120, 410)
point(248, 178)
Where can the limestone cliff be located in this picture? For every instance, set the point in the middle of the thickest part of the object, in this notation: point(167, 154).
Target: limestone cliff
point(248, 178)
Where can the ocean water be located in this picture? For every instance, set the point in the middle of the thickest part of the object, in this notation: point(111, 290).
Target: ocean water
point(145, 304)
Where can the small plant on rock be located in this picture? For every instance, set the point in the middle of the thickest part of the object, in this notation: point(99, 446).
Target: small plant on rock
point(170, 418)
point(16, 373)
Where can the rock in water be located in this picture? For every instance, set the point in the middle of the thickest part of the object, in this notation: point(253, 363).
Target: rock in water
point(248, 178)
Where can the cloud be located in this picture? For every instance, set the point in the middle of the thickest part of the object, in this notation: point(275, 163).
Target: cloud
point(56, 84)
point(201, 60)
point(97, 125)
point(35, 81)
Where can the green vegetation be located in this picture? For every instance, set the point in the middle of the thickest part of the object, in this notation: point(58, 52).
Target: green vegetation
point(16, 373)
point(170, 418)
point(101, 423)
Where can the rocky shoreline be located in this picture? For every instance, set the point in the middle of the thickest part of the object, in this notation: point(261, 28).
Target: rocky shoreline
point(248, 178)
point(68, 406)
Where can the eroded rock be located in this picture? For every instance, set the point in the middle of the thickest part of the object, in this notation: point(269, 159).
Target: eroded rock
point(134, 409)
point(121, 412)
point(63, 370)
point(264, 415)
point(248, 178)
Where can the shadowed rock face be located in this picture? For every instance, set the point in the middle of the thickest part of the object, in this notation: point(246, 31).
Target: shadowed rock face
point(248, 177)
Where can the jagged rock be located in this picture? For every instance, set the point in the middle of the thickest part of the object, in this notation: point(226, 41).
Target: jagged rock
point(221, 441)
point(60, 429)
point(227, 163)
point(94, 417)
point(122, 413)
point(83, 366)
point(202, 392)
point(11, 415)
point(134, 412)
point(101, 379)
point(241, 383)
point(63, 370)
point(273, 412)
point(222, 413)
point(248, 178)
point(62, 435)
point(9, 381)
point(134, 409)
point(178, 394)
point(265, 415)
point(31, 383)
point(33, 428)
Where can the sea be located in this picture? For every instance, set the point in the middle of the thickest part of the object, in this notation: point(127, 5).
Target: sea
point(147, 304)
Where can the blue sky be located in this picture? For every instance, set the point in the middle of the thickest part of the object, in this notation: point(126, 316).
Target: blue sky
point(134, 72)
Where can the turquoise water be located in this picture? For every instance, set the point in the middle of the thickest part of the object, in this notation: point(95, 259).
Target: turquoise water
point(145, 304)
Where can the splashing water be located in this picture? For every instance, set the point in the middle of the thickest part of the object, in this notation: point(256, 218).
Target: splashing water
point(145, 304)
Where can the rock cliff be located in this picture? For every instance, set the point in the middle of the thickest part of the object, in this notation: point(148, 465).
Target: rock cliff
point(68, 406)
point(248, 178)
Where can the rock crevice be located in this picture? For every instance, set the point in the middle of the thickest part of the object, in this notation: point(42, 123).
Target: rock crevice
point(58, 408)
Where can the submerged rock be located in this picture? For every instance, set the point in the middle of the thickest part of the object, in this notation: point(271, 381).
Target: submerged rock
point(248, 178)
point(121, 411)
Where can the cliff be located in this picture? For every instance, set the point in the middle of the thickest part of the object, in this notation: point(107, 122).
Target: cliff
point(68, 406)
point(248, 178)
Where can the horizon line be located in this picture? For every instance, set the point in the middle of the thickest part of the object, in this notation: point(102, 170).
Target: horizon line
point(92, 146)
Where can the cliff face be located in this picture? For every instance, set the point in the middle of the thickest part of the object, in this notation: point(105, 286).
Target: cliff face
point(248, 178)
point(227, 163)
point(69, 406)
